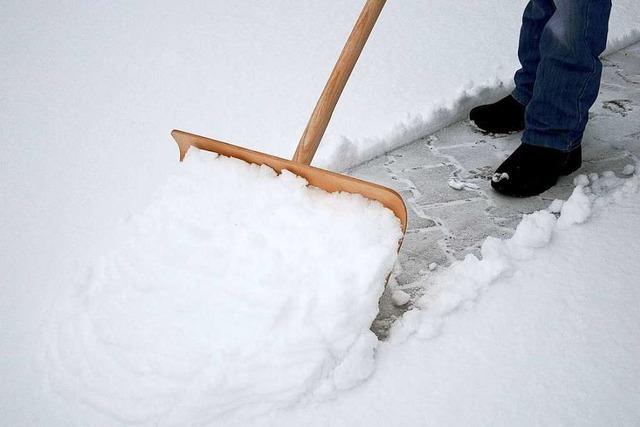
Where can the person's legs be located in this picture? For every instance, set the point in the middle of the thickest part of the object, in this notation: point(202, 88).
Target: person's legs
point(507, 115)
point(565, 86)
point(535, 17)
point(567, 78)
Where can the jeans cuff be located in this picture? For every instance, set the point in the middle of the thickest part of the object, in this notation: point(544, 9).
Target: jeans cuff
point(521, 96)
point(563, 143)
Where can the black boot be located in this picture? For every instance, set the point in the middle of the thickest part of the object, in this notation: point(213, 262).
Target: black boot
point(531, 170)
point(504, 116)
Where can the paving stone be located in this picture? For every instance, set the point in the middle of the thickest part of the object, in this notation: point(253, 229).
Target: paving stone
point(562, 190)
point(419, 249)
point(432, 183)
point(598, 149)
point(416, 155)
point(467, 225)
point(377, 172)
point(416, 219)
point(457, 134)
point(478, 160)
point(616, 165)
point(504, 206)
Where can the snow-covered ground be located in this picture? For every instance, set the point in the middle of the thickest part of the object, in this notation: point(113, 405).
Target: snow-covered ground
point(90, 92)
point(541, 331)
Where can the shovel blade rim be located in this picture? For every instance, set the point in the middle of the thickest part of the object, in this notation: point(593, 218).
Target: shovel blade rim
point(321, 178)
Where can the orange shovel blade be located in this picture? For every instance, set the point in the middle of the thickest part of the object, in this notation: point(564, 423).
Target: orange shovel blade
point(323, 179)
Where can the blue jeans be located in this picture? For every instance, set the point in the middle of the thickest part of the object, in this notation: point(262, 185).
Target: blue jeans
point(560, 42)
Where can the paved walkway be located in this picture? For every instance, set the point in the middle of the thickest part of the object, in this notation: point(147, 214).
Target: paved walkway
point(445, 224)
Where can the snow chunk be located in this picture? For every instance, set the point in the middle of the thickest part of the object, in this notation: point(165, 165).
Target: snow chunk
point(629, 169)
point(497, 177)
point(455, 184)
point(433, 266)
point(400, 297)
point(581, 180)
point(534, 231)
point(236, 291)
point(556, 206)
point(576, 210)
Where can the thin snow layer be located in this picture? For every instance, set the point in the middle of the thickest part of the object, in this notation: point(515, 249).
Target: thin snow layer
point(541, 331)
point(236, 289)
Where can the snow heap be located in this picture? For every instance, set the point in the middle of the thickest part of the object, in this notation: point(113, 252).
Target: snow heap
point(235, 289)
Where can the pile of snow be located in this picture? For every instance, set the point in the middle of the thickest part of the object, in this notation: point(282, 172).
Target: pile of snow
point(235, 290)
point(542, 330)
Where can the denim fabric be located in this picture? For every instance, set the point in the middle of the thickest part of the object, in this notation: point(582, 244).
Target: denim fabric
point(560, 42)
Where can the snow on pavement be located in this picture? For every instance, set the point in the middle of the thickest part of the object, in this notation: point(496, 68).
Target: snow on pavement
point(541, 331)
point(233, 299)
point(445, 224)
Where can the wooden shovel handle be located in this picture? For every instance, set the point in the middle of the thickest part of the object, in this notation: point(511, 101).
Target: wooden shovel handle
point(321, 115)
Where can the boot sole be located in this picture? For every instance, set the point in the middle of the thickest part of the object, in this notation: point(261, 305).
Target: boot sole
point(486, 128)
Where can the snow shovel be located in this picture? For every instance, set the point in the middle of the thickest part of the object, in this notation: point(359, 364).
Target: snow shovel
point(310, 140)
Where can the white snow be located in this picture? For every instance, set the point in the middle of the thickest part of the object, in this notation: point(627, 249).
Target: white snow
point(556, 206)
point(581, 180)
point(497, 177)
point(400, 297)
point(629, 169)
point(228, 299)
point(433, 266)
point(541, 331)
point(455, 184)
point(576, 210)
